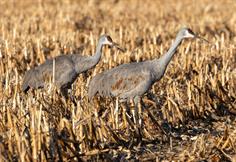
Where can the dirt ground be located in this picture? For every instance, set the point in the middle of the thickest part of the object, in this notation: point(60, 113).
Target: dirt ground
point(194, 103)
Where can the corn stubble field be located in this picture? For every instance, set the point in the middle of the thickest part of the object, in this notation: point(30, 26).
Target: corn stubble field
point(194, 102)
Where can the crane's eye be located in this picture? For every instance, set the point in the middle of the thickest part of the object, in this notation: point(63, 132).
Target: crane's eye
point(109, 39)
point(190, 32)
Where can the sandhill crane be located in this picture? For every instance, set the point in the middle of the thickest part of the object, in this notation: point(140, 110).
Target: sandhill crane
point(131, 81)
point(66, 68)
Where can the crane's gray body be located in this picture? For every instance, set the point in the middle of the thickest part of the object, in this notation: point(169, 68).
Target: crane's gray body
point(129, 81)
point(67, 69)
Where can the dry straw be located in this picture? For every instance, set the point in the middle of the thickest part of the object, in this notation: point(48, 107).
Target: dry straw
point(195, 101)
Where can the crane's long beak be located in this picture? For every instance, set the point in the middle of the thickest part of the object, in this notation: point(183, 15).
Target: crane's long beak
point(118, 47)
point(201, 38)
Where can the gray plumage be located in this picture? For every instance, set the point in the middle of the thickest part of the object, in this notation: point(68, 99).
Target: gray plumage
point(132, 80)
point(67, 68)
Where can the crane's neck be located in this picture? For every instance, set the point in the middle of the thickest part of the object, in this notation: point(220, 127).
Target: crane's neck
point(97, 56)
point(165, 59)
point(85, 63)
point(161, 64)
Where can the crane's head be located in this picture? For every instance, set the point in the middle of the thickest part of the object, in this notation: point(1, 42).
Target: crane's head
point(188, 33)
point(106, 40)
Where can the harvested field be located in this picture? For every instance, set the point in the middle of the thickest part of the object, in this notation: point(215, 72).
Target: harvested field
point(195, 101)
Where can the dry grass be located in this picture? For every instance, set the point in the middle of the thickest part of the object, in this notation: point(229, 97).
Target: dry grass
point(195, 101)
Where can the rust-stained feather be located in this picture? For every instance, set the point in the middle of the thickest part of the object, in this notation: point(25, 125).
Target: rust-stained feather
point(117, 84)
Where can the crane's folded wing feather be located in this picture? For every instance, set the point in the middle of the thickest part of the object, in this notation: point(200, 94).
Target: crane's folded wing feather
point(124, 81)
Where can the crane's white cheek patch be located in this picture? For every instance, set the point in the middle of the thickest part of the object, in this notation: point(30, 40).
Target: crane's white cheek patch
point(108, 42)
point(188, 35)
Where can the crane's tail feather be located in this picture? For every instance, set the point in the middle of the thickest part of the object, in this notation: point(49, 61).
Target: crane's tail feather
point(32, 79)
point(25, 85)
point(93, 86)
point(92, 90)
point(25, 88)
point(97, 85)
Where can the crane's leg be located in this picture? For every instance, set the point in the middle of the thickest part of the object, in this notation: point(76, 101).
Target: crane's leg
point(152, 116)
point(66, 93)
point(134, 113)
point(125, 113)
point(137, 116)
point(116, 112)
point(127, 117)
point(137, 111)
point(98, 122)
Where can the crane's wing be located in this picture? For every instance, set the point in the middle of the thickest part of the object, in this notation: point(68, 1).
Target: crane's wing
point(125, 81)
point(37, 76)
